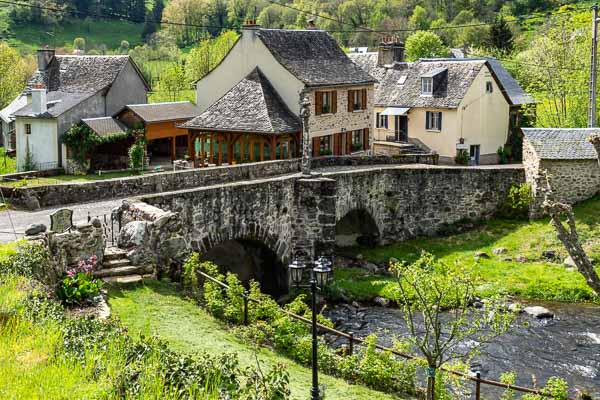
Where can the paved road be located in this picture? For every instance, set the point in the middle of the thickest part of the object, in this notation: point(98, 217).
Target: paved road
point(21, 219)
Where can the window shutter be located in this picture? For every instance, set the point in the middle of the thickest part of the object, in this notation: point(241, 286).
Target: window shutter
point(348, 142)
point(366, 139)
point(350, 100)
point(316, 147)
point(377, 121)
point(427, 114)
point(440, 120)
point(334, 102)
point(318, 103)
point(364, 99)
point(385, 121)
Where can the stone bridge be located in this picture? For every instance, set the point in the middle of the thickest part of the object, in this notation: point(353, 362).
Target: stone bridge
point(291, 214)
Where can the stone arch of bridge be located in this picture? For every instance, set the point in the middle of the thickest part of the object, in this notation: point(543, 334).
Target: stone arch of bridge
point(251, 252)
point(357, 226)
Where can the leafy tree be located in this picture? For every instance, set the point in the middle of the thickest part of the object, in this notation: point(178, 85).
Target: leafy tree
point(419, 19)
point(208, 54)
point(190, 12)
point(153, 18)
point(15, 71)
point(501, 36)
point(436, 302)
point(173, 80)
point(79, 44)
point(423, 44)
point(124, 47)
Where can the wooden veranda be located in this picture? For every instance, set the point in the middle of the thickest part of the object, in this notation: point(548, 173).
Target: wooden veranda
point(217, 148)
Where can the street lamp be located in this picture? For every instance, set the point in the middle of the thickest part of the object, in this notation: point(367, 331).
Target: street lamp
point(319, 277)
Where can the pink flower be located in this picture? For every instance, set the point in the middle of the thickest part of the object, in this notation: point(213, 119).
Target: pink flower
point(71, 273)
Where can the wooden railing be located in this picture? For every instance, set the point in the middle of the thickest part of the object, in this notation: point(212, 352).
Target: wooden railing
point(352, 340)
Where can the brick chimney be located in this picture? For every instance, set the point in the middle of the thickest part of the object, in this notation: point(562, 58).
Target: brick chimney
point(39, 103)
point(43, 57)
point(391, 50)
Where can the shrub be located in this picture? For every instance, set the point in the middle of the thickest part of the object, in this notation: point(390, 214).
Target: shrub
point(504, 154)
point(462, 157)
point(136, 155)
point(516, 204)
point(26, 259)
point(79, 286)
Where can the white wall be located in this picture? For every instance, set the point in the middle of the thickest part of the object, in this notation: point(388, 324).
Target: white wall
point(43, 142)
point(248, 53)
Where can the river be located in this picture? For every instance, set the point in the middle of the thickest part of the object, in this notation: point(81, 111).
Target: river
point(567, 345)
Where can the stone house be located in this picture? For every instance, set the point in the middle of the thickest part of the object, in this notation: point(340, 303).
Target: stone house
point(570, 160)
point(64, 90)
point(442, 105)
point(275, 69)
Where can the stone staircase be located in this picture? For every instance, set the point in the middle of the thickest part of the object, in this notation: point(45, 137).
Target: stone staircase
point(117, 269)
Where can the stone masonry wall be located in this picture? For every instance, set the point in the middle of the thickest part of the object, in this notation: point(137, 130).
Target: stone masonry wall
point(572, 181)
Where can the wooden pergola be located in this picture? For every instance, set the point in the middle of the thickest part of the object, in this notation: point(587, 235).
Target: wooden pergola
point(217, 147)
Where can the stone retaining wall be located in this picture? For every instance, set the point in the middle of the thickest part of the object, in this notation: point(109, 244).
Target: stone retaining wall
point(336, 161)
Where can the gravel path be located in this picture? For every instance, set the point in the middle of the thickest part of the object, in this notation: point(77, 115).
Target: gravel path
point(21, 219)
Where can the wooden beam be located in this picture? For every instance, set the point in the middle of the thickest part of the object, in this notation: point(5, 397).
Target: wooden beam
point(251, 150)
point(272, 147)
point(220, 150)
point(191, 150)
point(202, 154)
point(230, 157)
point(173, 148)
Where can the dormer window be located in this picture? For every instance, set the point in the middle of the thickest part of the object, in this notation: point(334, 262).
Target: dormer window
point(427, 86)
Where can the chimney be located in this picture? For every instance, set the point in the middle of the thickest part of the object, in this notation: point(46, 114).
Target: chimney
point(391, 50)
point(311, 24)
point(38, 100)
point(44, 56)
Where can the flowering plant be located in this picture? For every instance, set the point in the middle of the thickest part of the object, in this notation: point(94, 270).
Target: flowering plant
point(79, 285)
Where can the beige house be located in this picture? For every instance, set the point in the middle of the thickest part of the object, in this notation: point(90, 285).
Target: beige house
point(250, 103)
point(442, 105)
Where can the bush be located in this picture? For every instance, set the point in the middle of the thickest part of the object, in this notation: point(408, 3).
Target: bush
point(516, 204)
point(136, 155)
point(462, 157)
point(25, 259)
point(79, 286)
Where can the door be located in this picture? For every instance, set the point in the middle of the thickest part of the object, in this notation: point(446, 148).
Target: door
point(401, 128)
point(474, 154)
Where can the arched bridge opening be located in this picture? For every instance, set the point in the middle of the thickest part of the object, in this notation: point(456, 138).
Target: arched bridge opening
point(357, 228)
point(251, 259)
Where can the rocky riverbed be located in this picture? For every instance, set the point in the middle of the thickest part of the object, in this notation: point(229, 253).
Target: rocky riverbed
point(536, 348)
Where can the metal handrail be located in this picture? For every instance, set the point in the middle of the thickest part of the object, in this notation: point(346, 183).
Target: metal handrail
point(478, 380)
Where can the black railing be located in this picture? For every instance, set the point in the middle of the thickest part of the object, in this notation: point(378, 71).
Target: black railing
point(111, 226)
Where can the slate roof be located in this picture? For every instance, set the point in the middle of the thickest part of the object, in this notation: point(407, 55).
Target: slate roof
point(159, 112)
point(313, 56)
point(105, 126)
point(7, 112)
point(461, 73)
point(57, 103)
point(252, 106)
point(79, 74)
point(562, 144)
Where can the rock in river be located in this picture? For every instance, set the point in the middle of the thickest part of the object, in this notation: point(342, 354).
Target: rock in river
point(382, 302)
point(539, 312)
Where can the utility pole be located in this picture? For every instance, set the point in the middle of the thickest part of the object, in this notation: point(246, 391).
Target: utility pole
point(593, 74)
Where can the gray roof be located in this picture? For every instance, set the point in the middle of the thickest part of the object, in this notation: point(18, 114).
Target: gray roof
point(250, 106)
point(79, 74)
point(158, 112)
point(461, 73)
point(313, 56)
point(57, 103)
point(7, 112)
point(105, 126)
point(562, 144)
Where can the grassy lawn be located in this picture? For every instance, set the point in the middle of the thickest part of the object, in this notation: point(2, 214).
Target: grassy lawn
point(53, 180)
point(536, 279)
point(156, 308)
point(8, 165)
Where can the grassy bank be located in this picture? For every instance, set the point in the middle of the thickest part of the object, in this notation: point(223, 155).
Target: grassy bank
point(54, 180)
point(157, 308)
point(537, 278)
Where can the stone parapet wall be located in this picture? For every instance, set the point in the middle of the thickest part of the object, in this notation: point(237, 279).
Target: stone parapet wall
point(358, 160)
point(68, 193)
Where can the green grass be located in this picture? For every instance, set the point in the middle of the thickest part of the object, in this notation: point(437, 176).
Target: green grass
point(158, 309)
point(536, 279)
point(54, 180)
point(8, 165)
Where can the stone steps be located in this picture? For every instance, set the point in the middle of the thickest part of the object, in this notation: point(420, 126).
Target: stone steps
point(123, 280)
point(114, 253)
point(117, 269)
point(121, 262)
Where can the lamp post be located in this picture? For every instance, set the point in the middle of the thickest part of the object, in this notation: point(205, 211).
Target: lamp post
point(319, 276)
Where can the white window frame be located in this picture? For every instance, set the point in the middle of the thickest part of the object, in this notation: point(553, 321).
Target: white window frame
point(326, 102)
point(427, 86)
point(434, 118)
point(28, 129)
point(357, 100)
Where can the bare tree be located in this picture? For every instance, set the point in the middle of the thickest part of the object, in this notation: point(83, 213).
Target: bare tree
point(563, 220)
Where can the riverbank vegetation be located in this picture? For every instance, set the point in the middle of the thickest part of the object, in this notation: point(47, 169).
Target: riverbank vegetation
point(524, 259)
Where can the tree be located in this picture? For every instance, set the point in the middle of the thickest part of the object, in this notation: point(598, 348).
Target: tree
point(173, 80)
point(423, 44)
point(124, 47)
point(153, 19)
point(501, 36)
point(436, 303)
point(208, 54)
point(15, 71)
point(419, 19)
point(79, 44)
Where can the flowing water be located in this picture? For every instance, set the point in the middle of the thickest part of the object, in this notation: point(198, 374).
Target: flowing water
point(567, 345)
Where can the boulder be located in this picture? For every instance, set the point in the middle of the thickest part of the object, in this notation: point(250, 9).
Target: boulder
point(381, 301)
point(569, 262)
point(507, 259)
point(521, 259)
point(539, 312)
point(549, 254)
point(477, 304)
point(35, 229)
point(481, 254)
point(31, 203)
point(515, 308)
point(500, 250)
point(134, 234)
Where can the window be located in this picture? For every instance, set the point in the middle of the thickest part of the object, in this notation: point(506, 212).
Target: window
point(28, 129)
point(357, 100)
point(357, 140)
point(325, 102)
point(427, 86)
point(325, 146)
point(382, 121)
point(489, 87)
point(433, 121)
